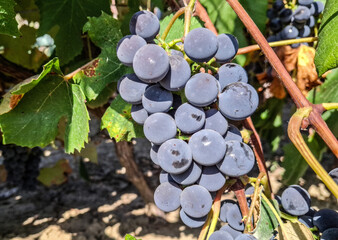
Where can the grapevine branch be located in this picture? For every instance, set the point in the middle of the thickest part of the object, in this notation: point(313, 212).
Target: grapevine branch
point(298, 141)
point(203, 15)
point(187, 16)
point(171, 23)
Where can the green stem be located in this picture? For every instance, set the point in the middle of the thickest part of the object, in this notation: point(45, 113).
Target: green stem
point(330, 106)
point(187, 16)
point(171, 23)
point(149, 5)
point(276, 215)
point(256, 47)
point(286, 216)
point(173, 42)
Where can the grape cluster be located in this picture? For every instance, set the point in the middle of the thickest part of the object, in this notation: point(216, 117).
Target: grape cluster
point(296, 201)
point(192, 141)
point(22, 165)
point(287, 23)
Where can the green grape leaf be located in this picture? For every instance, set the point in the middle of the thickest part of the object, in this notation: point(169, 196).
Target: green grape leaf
point(257, 11)
point(21, 51)
point(177, 29)
point(267, 222)
point(105, 32)
point(130, 237)
point(294, 164)
point(69, 16)
point(12, 97)
point(34, 121)
point(8, 24)
point(326, 57)
point(327, 92)
point(103, 97)
point(28, 10)
point(118, 122)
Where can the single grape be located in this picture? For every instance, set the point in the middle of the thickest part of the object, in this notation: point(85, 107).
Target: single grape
point(238, 161)
point(312, 9)
point(191, 221)
point(231, 73)
point(151, 63)
point(325, 219)
point(139, 114)
point(334, 174)
point(305, 32)
point(306, 220)
point(301, 14)
point(234, 233)
point(276, 25)
point(178, 74)
point(225, 205)
point(174, 52)
point(145, 24)
point(330, 234)
point(196, 201)
point(271, 13)
point(131, 88)
point(220, 235)
point(189, 119)
point(272, 38)
point(249, 191)
point(238, 101)
point(200, 44)
point(165, 177)
point(233, 133)
point(289, 32)
point(127, 47)
point(305, 2)
point(159, 127)
point(153, 153)
point(207, 147)
point(157, 99)
point(212, 179)
point(167, 196)
point(227, 48)
point(296, 201)
point(158, 12)
point(319, 8)
point(311, 22)
point(214, 120)
point(245, 237)
point(174, 156)
point(278, 5)
point(285, 15)
point(234, 217)
point(201, 89)
point(190, 176)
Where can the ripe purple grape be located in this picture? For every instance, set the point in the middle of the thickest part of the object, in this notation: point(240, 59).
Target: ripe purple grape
point(151, 63)
point(157, 99)
point(189, 119)
point(231, 73)
point(207, 146)
point(227, 48)
point(200, 45)
point(238, 160)
point(196, 201)
point(174, 156)
point(127, 47)
point(145, 24)
point(178, 74)
point(201, 89)
point(167, 196)
point(131, 88)
point(159, 127)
